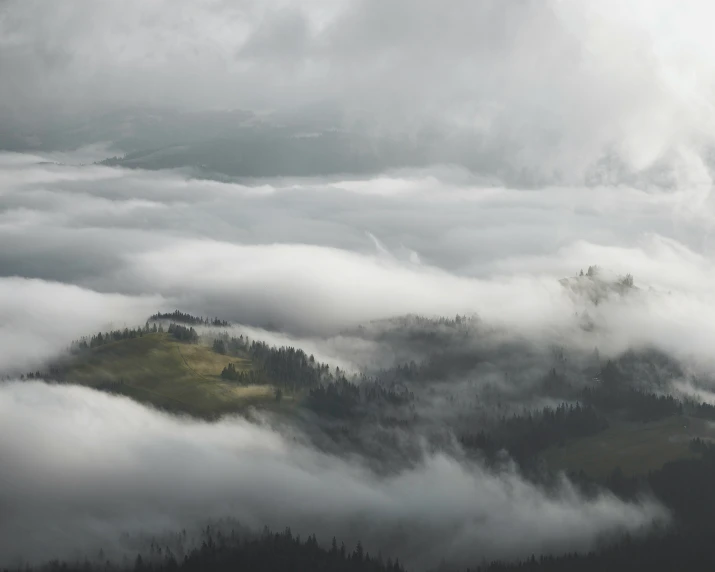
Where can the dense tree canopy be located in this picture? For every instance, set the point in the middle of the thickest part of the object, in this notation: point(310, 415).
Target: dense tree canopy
point(182, 318)
point(269, 552)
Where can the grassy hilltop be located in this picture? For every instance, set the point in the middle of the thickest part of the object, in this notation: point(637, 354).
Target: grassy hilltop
point(170, 374)
point(182, 372)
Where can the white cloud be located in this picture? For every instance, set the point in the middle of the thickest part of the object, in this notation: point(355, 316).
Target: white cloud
point(545, 87)
point(315, 256)
point(80, 468)
point(595, 104)
point(39, 320)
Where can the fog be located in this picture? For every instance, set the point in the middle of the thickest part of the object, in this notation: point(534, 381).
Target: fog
point(80, 467)
point(305, 263)
point(39, 319)
point(314, 172)
point(315, 257)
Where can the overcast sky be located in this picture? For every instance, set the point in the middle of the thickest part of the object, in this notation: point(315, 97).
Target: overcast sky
point(561, 90)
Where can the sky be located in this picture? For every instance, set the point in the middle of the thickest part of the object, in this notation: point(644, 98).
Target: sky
point(414, 159)
point(528, 90)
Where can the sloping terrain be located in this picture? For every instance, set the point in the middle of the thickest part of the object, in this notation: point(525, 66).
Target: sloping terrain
point(635, 448)
point(166, 373)
point(182, 377)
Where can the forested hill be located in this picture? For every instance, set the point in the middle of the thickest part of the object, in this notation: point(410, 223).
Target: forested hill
point(181, 318)
point(615, 433)
point(169, 364)
point(188, 364)
point(269, 552)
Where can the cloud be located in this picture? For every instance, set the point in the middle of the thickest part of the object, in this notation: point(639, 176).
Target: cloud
point(532, 91)
point(293, 286)
point(498, 148)
point(82, 246)
point(311, 257)
point(81, 467)
point(39, 319)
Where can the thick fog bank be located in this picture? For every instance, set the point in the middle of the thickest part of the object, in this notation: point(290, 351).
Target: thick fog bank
point(314, 258)
point(81, 467)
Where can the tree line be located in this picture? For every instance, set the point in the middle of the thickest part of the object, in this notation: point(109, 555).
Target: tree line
point(100, 338)
point(632, 404)
point(341, 398)
point(685, 487)
point(284, 366)
point(184, 334)
point(182, 318)
point(268, 552)
point(524, 436)
point(96, 340)
point(290, 368)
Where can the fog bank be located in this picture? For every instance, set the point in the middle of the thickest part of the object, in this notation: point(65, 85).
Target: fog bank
point(81, 467)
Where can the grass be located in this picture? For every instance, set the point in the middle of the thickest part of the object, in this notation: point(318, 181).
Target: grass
point(634, 447)
point(176, 376)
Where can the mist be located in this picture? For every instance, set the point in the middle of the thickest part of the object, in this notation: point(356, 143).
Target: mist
point(314, 258)
point(81, 468)
point(39, 319)
point(343, 176)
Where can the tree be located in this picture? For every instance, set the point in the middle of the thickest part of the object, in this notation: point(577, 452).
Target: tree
point(627, 281)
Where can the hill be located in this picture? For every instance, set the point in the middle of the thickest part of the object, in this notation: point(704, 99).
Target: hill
point(167, 373)
point(635, 448)
point(617, 424)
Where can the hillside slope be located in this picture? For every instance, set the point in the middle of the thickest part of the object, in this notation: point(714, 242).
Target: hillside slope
point(166, 373)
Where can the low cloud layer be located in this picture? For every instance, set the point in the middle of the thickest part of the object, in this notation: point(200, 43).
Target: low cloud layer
point(305, 261)
point(330, 165)
point(39, 319)
point(312, 257)
point(80, 468)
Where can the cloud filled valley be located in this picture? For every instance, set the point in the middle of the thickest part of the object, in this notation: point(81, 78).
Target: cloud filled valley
point(438, 284)
point(88, 248)
point(314, 258)
point(102, 465)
